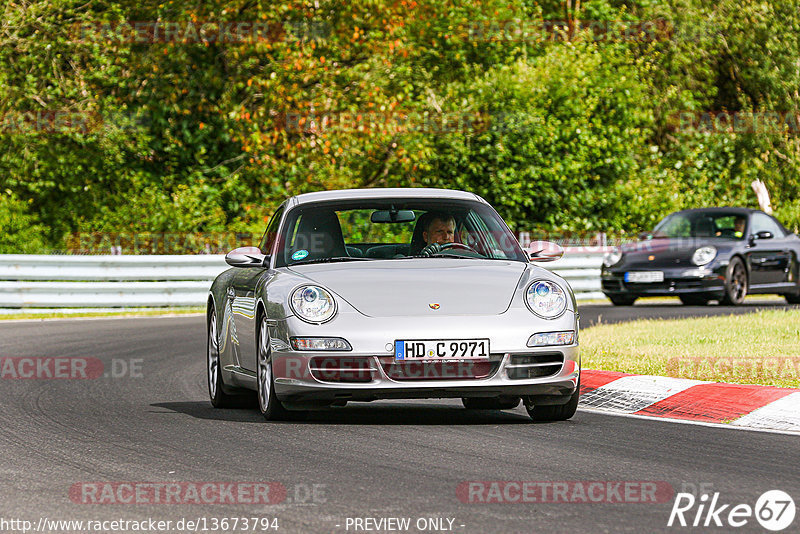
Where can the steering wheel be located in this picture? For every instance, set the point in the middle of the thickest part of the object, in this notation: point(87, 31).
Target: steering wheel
point(460, 246)
point(441, 248)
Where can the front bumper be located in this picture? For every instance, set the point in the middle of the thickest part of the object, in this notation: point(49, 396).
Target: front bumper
point(369, 372)
point(677, 281)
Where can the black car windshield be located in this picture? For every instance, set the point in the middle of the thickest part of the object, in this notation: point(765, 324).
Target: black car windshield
point(394, 229)
point(729, 225)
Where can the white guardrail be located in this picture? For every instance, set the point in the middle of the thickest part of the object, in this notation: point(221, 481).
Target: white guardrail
point(41, 281)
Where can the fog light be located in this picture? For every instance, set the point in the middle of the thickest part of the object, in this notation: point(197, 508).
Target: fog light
point(545, 339)
point(320, 343)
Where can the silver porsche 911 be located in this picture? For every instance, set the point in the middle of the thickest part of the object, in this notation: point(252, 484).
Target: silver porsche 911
point(369, 294)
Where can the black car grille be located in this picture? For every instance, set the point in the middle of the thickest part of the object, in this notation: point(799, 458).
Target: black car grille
point(535, 365)
point(612, 285)
point(339, 369)
point(452, 370)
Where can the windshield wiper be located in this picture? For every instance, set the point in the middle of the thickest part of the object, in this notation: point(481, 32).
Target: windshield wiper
point(449, 255)
point(331, 260)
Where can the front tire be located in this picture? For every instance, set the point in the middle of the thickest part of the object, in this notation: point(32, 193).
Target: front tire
point(268, 403)
point(558, 412)
point(216, 393)
point(736, 283)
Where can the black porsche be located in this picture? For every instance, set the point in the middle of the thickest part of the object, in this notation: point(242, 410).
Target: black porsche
point(706, 254)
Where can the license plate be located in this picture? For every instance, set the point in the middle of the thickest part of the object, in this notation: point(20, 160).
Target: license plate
point(441, 349)
point(644, 276)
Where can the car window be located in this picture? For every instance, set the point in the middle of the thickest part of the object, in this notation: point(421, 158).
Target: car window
point(394, 229)
point(702, 224)
point(358, 229)
point(765, 223)
point(674, 226)
point(271, 234)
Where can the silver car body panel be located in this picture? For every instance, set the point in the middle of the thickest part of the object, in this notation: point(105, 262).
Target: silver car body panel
point(382, 301)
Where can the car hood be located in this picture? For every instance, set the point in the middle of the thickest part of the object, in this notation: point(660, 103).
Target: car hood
point(664, 253)
point(416, 286)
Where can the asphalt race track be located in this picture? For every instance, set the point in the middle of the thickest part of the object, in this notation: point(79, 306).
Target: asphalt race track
point(150, 421)
point(674, 310)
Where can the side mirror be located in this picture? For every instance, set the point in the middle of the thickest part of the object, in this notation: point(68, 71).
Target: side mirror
point(545, 251)
point(764, 235)
point(644, 236)
point(246, 257)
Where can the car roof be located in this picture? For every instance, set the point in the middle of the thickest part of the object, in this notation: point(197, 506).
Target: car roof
point(383, 193)
point(740, 211)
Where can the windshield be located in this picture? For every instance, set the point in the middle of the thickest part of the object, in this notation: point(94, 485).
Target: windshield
point(702, 224)
point(395, 229)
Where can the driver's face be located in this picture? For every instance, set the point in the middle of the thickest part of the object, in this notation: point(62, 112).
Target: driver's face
point(440, 232)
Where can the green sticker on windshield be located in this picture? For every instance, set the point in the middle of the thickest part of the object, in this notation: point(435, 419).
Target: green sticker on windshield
point(300, 254)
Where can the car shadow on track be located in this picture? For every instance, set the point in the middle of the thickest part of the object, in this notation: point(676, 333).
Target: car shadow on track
point(361, 414)
point(204, 410)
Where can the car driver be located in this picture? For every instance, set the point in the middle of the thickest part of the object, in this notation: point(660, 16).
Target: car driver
point(441, 229)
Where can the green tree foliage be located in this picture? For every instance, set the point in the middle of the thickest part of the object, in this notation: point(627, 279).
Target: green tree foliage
point(569, 126)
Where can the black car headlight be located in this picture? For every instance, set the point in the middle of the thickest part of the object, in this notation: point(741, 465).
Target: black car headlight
point(612, 258)
point(704, 255)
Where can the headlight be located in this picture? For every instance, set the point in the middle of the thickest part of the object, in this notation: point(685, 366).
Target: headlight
point(320, 343)
point(612, 258)
point(313, 304)
point(704, 255)
point(545, 339)
point(546, 299)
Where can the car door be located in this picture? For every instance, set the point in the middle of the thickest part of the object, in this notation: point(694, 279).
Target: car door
point(246, 287)
point(770, 258)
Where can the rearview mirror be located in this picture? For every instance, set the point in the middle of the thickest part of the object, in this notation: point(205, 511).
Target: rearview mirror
point(545, 251)
point(246, 257)
point(392, 216)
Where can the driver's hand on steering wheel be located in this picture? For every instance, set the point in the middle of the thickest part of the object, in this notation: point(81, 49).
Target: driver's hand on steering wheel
point(431, 249)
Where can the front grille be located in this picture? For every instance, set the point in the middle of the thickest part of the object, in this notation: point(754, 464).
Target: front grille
point(665, 285)
point(534, 365)
point(452, 370)
point(341, 369)
point(612, 285)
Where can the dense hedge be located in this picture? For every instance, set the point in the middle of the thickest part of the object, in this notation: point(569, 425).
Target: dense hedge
point(571, 127)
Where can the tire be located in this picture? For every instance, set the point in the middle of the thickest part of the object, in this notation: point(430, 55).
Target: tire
point(268, 404)
point(694, 300)
point(793, 299)
point(622, 300)
point(490, 403)
point(558, 412)
point(216, 392)
point(736, 283)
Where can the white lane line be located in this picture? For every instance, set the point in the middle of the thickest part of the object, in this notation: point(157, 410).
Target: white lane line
point(107, 318)
point(783, 414)
point(687, 422)
point(630, 394)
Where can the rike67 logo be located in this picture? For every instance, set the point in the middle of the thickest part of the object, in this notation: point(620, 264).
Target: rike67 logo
point(774, 510)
